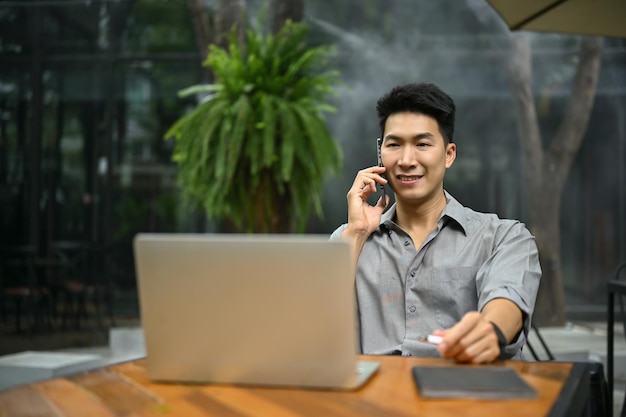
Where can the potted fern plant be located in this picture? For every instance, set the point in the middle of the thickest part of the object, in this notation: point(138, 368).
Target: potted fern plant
point(256, 150)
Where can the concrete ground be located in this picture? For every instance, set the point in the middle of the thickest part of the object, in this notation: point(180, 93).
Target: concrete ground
point(573, 342)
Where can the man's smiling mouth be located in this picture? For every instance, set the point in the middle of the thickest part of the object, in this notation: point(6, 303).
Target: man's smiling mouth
point(409, 178)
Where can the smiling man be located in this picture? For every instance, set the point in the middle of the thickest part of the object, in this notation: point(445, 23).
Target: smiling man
point(428, 265)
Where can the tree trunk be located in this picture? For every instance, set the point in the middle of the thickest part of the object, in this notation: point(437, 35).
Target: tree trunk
point(201, 27)
point(283, 10)
point(229, 15)
point(273, 210)
point(209, 31)
point(546, 169)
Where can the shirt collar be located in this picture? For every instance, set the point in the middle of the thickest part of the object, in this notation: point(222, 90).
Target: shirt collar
point(453, 211)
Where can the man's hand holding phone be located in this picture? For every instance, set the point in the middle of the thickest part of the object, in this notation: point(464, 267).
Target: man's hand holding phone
point(363, 218)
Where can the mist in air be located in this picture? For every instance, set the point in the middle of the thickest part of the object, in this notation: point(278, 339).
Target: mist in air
point(461, 46)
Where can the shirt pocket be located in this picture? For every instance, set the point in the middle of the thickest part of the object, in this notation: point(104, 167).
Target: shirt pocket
point(454, 293)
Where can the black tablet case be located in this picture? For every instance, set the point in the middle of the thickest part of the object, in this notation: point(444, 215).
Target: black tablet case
point(464, 381)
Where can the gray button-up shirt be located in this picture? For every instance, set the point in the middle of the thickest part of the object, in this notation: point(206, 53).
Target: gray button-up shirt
point(470, 258)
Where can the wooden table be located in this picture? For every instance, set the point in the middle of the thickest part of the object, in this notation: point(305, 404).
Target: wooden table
point(125, 390)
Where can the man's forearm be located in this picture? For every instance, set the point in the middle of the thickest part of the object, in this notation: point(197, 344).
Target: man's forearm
point(506, 315)
point(356, 242)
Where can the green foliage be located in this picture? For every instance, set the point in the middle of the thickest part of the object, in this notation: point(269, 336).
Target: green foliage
point(258, 147)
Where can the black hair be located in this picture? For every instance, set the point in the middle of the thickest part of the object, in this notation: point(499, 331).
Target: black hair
point(421, 98)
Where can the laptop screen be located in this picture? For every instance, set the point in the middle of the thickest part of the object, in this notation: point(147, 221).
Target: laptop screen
point(250, 309)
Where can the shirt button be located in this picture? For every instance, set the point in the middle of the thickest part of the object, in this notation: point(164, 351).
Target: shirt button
point(412, 309)
point(407, 243)
point(412, 273)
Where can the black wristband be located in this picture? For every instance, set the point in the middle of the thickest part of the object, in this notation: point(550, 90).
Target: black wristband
point(501, 340)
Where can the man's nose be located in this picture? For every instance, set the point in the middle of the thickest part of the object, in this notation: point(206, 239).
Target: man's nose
point(407, 157)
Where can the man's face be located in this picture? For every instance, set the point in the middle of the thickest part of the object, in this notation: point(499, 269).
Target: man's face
point(415, 156)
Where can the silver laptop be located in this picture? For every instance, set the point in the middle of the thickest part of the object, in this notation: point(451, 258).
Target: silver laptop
point(272, 310)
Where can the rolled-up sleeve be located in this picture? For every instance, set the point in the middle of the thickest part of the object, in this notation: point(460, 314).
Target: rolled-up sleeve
point(336, 235)
point(512, 271)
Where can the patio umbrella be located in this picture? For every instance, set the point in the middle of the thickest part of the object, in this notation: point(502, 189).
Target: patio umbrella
point(584, 17)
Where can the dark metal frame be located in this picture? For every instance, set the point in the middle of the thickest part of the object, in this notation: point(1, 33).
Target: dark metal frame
point(615, 287)
point(543, 343)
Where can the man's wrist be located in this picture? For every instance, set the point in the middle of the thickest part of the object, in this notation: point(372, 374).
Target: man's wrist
point(356, 237)
point(501, 340)
point(356, 230)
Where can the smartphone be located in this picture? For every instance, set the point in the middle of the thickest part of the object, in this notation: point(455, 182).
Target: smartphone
point(383, 193)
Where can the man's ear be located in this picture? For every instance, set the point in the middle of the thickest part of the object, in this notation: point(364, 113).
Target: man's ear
point(450, 154)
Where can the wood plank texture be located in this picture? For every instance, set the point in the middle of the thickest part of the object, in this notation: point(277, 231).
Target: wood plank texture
point(125, 390)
